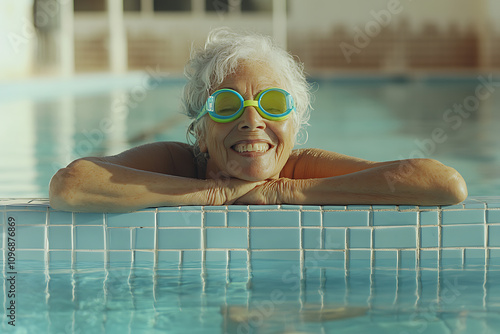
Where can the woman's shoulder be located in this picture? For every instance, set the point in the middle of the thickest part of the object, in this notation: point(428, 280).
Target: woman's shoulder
point(289, 170)
point(177, 147)
point(180, 158)
point(293, 168)
point(317, 163)
point(168, 149)
point(173, 158)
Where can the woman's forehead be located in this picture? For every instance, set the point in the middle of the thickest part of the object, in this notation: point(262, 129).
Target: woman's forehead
point(254, 75)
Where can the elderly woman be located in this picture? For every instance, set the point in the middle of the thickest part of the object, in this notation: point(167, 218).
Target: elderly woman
point(248, 100)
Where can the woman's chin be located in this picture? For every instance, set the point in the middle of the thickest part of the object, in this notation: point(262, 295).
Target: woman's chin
point(251, 178)
point(256, 176)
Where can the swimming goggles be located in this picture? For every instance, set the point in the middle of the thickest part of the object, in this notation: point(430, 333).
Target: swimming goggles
point(226, 105)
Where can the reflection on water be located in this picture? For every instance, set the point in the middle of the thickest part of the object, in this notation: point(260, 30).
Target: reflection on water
point(271, 318)
point(270, 298)
point(374, 120)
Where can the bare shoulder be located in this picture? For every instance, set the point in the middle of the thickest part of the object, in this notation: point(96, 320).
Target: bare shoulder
point(173, 158)
point(317, 163)
point(292, 166)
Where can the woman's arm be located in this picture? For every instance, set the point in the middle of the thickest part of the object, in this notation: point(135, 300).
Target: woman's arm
point(159, 174)
point(321, 177)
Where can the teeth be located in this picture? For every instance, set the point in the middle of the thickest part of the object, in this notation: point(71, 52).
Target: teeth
point(256, 147)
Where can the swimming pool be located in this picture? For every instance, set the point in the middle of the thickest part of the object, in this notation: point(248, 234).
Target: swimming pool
point(251, 269)
point(270, 297)
point(372, 118)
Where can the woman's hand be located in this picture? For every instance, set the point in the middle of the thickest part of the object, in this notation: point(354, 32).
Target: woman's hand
point(228, 191)
point(274, 191)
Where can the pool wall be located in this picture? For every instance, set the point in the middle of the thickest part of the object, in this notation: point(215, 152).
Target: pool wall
point(397, 236)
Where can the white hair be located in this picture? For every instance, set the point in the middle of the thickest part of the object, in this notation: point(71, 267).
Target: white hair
point(223, 53)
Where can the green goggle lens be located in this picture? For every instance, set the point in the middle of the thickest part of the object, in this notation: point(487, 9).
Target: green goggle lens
point(226, 104)
point(274, 102)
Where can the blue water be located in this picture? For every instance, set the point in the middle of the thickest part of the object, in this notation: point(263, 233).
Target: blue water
point(373, 119)
point(271, 297)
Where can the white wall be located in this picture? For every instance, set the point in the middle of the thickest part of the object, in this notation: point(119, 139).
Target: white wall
point(17, 38)
point(324, 14)
point(493, 10)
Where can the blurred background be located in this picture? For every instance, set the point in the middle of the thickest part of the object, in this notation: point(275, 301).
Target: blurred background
point(54, 37)
point(392, 79)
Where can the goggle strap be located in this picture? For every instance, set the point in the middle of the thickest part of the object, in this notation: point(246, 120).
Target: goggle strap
point(289, 102)
point(210, 105)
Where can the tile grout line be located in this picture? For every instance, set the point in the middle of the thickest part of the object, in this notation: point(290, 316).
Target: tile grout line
point(486, 239)
point(73, 271)
point(486, 256)
point(249, 250)
point(105, 235)
point(73, 241)
point(418, 241)
point(372, 259)
point(322, 231)
point(155, 240)
point(249, 258)
point(226, 212)
point(46, 244)
point(347, 249)
point(133, 237)
point(301, 246)
point(440, 237)
point(372, 238)
point(131, 233)
point(203, 251)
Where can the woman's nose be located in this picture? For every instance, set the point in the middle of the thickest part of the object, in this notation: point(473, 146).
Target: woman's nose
point(251, 119)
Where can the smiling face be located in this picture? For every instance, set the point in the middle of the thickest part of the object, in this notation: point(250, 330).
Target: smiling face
point(251, 147)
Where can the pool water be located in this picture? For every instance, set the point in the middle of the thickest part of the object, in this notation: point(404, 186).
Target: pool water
point(376, 119)
point(270, 297)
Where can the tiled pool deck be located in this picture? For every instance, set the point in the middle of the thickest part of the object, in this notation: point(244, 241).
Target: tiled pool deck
point(399, 236)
